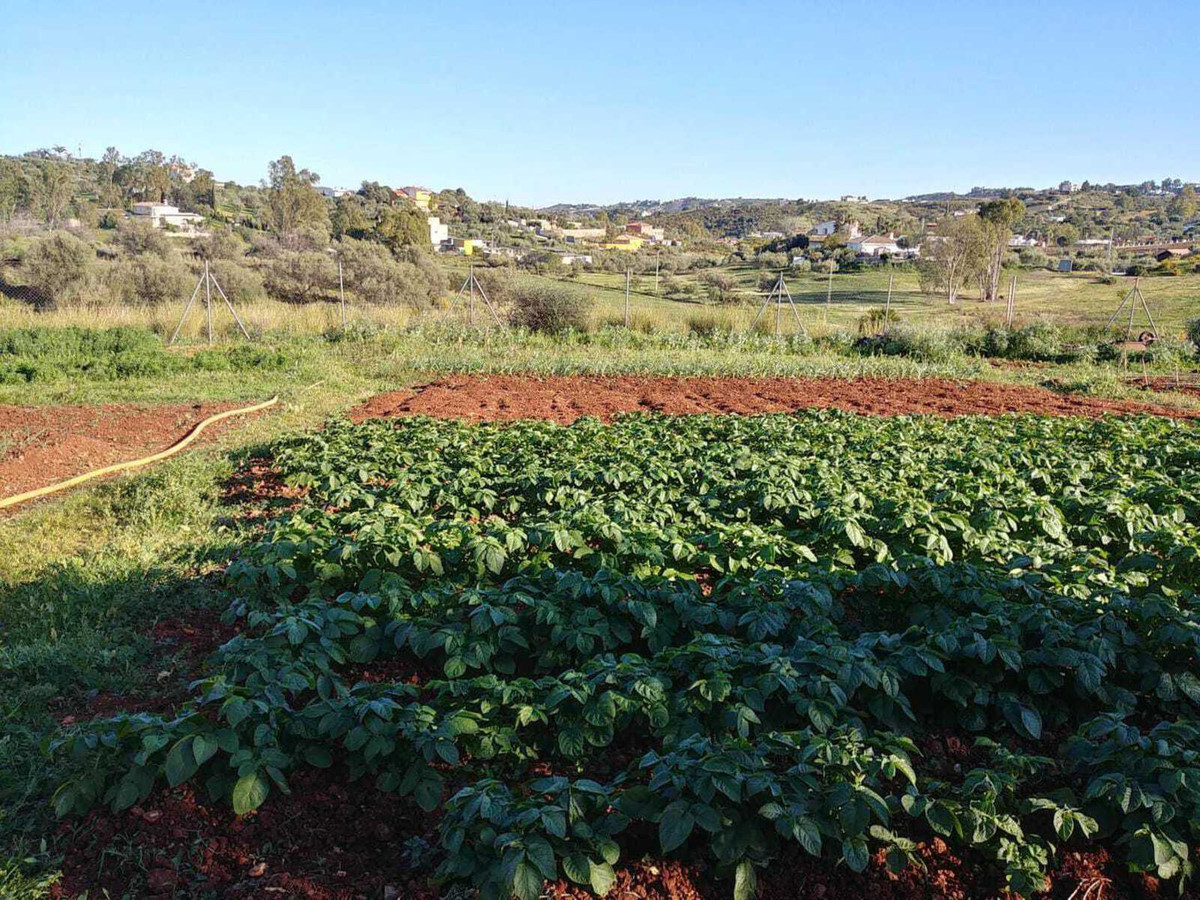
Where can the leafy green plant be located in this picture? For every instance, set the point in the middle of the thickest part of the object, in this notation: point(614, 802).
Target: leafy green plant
point(730, 633)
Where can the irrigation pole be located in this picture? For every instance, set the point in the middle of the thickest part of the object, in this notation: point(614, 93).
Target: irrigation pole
point(627, 273)
point(208, 299)
point(829, 291)
point(472, 306)
point(887, 306)
point(209, 281)
point(342, 294)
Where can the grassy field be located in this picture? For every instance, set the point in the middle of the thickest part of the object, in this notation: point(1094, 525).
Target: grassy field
point(1077, 300)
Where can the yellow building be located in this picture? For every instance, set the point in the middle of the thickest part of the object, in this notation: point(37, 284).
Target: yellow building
point(470, 246)
point(422, 197)
point(624, 242)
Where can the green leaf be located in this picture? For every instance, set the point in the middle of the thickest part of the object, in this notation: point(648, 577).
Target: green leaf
point(203, 747)
point(677, 823)
point(249, 793)
point(527, 881)
point(745, 881)
point(808, 834)
point(428, 793)
point(539, 851)
point(577, 867)
point(854, 851)
point(602, 878)
point(318, 756)
point(180, 764)
point(1031, 719)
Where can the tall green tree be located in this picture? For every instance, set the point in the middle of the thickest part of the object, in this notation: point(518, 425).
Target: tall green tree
point(292, 200)
point(954, 256)
point(52, 191)
point(1184, 204)
point(996, 219)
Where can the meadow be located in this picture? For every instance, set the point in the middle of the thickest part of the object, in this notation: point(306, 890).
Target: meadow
point(1072, 301)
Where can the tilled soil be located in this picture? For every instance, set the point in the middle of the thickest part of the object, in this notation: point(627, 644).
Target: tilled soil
point(567, 398)
point(40, 445)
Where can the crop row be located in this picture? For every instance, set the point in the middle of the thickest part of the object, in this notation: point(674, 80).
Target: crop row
point(730, 634)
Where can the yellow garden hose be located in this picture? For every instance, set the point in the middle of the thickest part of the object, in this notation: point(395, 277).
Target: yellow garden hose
point(136, 463)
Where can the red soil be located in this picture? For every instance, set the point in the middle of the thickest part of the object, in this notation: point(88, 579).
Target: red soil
point(328, 840)
point(566, 398)
point(40, 445)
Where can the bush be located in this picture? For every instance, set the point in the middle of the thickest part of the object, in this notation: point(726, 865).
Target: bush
point(1038, 342)
point(151, 280)
point(301, 277)
point(548, 309)
point(707, 325)
point(57, 267)
point(141, 239)
point(1193, 333)
point(720, 286)
point(241, 284)
point(223, 243)
point(770, 260)
point(876, 320)
point(373, 275)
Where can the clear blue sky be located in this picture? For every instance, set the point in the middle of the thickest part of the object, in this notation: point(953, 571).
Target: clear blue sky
point(545, 102)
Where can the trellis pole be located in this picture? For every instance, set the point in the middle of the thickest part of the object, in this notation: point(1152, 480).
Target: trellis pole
point(778, 294)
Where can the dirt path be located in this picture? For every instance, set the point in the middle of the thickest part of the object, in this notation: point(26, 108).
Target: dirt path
point(566, 398)
point(40, 445)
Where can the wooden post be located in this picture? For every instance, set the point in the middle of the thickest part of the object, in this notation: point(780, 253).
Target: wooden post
point(1012, 301)
point(342, 294)
point(829, 291)
point(627, 274)
point(208, 299)
point(887, 306)
point(657, 257)
point(471, 276)
point(778, 306)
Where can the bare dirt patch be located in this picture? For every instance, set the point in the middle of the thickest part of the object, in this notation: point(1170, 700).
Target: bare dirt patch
point(566, 398)
point(40, 445)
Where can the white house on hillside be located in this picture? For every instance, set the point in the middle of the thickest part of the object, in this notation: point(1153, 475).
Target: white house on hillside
point(439, 232)
point(160, 215)
point(877, 245)
point(825, 229)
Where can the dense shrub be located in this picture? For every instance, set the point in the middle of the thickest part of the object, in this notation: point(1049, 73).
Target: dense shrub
point(222, 243)
point(241, 284)
point(301, 277)
point(1193, 332)
point(57, 267)
point(548, 309)
point(1037, 342)
point(150, 280)
point(142, 239)
point(720, 287)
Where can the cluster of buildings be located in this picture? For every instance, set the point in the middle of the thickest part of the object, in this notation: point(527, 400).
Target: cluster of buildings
point(874, 246)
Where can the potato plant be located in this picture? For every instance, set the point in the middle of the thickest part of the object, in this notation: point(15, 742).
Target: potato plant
point(732, 634)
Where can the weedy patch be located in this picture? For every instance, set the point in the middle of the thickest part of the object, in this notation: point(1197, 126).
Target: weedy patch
point(729, 634)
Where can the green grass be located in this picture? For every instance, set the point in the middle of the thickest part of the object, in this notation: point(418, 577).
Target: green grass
point(82, 581)
point(1077, 300)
